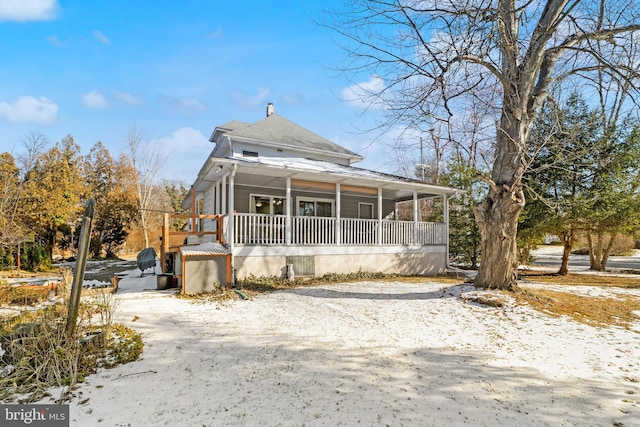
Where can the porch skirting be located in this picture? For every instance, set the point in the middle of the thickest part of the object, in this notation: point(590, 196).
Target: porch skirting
point(317, 261)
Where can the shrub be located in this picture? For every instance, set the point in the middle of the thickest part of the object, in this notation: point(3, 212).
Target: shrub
point(39, 353)
point(622, 246)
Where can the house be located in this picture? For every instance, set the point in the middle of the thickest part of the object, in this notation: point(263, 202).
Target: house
point(275, 199)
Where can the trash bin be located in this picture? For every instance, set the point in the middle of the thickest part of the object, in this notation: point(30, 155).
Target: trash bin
point(164, 281)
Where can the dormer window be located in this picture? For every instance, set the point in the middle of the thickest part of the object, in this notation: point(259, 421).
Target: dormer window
point(246, 153)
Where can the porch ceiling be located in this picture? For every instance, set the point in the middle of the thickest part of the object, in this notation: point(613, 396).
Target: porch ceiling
point(270, 173)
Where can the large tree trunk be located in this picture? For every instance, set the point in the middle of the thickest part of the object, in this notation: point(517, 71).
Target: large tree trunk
point(497, 216)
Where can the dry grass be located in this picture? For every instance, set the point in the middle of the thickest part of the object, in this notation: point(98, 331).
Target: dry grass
point(23, 295)
point(598, 311)
point(39, 353)
point(220, 296)
point(589, 310)
point(582, 279)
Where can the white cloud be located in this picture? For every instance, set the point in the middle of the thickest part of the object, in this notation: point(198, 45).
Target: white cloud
point(181, 105)
point(243, 100)
point(127, 98)
point(188, 148)
point(27, 109)
point(95, 99)
point(364, 95)
point(101, 37)
point(185, 140)
point(28, 10)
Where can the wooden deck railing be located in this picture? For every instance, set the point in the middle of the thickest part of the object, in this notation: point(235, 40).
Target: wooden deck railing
point(257, 229)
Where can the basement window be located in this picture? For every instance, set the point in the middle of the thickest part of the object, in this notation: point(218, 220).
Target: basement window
point(249, 153)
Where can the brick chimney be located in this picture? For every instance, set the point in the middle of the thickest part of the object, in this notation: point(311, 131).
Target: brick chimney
point(270, 109)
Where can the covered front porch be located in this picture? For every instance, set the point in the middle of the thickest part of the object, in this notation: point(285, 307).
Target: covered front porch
point(320, 217)
point(276, 245)
point(280, 245)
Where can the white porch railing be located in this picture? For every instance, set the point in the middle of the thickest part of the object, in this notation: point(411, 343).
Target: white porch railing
point(258, 229)
point(313, 230)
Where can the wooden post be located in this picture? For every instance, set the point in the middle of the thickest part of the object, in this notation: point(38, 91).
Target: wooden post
point(164, 245)
point(219, 230)
point(81, 265)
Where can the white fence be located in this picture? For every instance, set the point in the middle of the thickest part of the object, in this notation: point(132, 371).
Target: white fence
point(257, 229)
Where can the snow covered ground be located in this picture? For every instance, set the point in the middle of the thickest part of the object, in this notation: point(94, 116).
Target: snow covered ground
point(368, 353)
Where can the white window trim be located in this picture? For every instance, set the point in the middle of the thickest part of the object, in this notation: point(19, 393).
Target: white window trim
point(314, 200)
point(271, 197)
point(360, 204)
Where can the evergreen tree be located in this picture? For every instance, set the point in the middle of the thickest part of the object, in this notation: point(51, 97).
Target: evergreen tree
point(558, 183)
point(54, 188)
point(109, 184)
point(582, 180)
point(464, 236)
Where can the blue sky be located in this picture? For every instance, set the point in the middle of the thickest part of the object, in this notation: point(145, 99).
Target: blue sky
point(175, 70)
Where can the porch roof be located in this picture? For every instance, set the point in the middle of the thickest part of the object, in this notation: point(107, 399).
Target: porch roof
point(265, 171)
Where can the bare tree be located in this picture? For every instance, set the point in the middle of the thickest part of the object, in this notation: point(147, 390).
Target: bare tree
point(435, 55)
point(35, 144)
point(147, 158)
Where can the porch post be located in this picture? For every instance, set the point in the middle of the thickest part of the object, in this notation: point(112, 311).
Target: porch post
point(287, 220)
point(230, 229)
point(216, 193)
point(415, 217)
point(446, 229)
point(193, 209)
point(223, 196)
point(338, 207)
point(379, 215)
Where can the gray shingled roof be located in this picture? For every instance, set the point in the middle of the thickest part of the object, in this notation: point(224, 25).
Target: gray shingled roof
point(277, 129)
point(234, 125)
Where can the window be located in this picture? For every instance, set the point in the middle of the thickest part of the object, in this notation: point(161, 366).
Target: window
point(249, 153)
point(365, 210)
point(315, 207)
point(267, 205)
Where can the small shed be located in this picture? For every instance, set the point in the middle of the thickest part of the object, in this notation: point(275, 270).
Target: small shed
point(205, 267)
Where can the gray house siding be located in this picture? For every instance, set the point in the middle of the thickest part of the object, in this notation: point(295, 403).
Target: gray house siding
point(348, 203)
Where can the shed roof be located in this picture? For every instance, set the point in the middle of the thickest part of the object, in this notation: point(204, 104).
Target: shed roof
point(204, 249)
